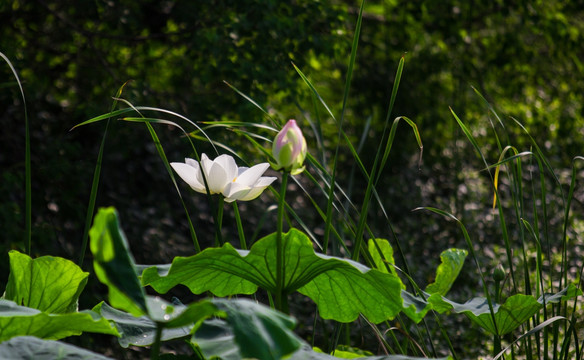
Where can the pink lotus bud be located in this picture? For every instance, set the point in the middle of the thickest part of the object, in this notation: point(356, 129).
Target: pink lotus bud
point(289, 148)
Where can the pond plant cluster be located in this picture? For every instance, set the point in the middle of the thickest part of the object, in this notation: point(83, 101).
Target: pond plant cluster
point(361, 283)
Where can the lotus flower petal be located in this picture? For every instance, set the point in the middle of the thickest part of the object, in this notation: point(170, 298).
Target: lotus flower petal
point(224, 177)
point(189, 174)
point(235, 191)
point(251, 175)
point(258, 188)
point(217, 179)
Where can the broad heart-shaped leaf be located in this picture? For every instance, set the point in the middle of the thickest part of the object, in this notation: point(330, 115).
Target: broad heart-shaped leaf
point(516, 310)
point(30, 347)
point(49, 284)
point(113, 263)
point(177, 320)
point(341, 288)
point(18, 320)
point(249, 330)
point(348, 289)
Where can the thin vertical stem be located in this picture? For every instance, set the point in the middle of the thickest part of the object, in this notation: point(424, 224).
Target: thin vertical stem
point(279, 247)
point(219, 222)
point(27, 165)
point(93, 196)
point(242, 243)
point(155, 349)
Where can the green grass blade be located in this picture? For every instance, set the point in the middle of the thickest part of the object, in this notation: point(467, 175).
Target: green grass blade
point(544, 160)
point(352, 58)
point(328, 221)
point(229, 124)
point(566, 219)
point(390, 139)
point(27, 165)
point(541, 326)
point(316, 127)
point(109, 115)
point(492, 110)
point(314, 91)
point(362, 142)
point(375, 174)
point(398, 75)
point(251, 101)
point(95, 181)
point(162, 155)
point(477, 148)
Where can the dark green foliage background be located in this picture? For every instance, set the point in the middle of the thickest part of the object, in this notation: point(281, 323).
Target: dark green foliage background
point(526, 57)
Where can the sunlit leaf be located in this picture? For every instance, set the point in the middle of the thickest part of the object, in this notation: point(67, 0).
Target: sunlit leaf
point(416, 307)
point(448, 270)
point(348, 289)
point(114, 265)
point(49, 284)
point(18, 320)
point(382, 254)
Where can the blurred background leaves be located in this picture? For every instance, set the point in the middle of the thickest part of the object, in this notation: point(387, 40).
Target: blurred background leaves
point(525, 57)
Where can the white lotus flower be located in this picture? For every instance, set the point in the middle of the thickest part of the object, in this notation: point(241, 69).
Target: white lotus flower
point(224, 177)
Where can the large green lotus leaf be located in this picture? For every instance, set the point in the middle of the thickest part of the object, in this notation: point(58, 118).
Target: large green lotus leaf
point(49, 284)
point(348, 289)
point(223, 271)
point(30, 347)
point(177, 320)
point(226, 271)
point(341, 288)
point(18, 320)
point(249, 330)
point(114, 265)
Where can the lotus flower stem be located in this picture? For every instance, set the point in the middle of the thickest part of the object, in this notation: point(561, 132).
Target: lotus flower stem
point(219, 222)
point(155, 348)
point(242, 243)
point(281, 301)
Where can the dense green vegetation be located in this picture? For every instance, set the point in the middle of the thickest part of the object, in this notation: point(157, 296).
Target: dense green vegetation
point(477, 77)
